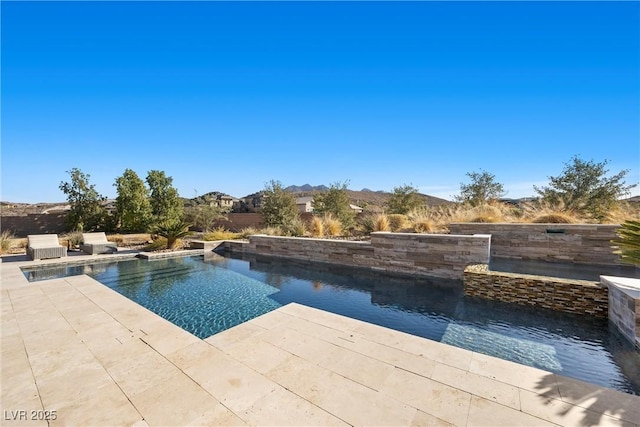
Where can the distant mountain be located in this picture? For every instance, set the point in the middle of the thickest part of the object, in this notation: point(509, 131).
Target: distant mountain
point(373, 201)
point(634, 199)
point(305, 188)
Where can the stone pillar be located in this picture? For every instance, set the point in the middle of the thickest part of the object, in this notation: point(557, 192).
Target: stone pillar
point(624, 305)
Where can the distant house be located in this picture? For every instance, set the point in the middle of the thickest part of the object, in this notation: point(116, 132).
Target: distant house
point(356, 209)
point(305, 204)
point(224, 201)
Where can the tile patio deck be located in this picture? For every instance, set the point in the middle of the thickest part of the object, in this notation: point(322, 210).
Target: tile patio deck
point(80, 349)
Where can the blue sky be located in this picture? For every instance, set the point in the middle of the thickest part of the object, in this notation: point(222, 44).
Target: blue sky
point(228, 95)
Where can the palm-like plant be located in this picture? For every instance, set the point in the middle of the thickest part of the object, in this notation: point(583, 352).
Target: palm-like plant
point(628, 244)
point(172, 231)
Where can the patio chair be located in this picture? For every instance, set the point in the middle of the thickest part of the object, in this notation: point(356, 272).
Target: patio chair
point(97, 243)
point(41, 246)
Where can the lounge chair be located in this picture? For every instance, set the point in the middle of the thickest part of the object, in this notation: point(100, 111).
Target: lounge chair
point(41, 246)
point(97, 243)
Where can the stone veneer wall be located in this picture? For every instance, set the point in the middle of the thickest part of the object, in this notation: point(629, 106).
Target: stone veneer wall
point(438, 255)
point(624, 306)
point(574, 296)
point(577, 243)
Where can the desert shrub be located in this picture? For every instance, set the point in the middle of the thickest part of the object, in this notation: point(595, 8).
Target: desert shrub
point(6, 240)
point(272, 231)
point(335, 202)
point(157, 244)
point(586, 187)
point(483, 189)
point(248, 231)
point(220, 233)
point(398, 222)
point(403, 199)
point(365, 223)
point(279, 207)
point(73, 239)
point(554, 218)
point(316, 227)
point(332, 226)
point(423, 226)
point(628, 242)
point(296, 227)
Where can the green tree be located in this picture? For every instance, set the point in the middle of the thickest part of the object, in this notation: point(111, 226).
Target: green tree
point(166, 205)
point(87, 210)
point(403, 200)
point(133, 208)
point(482, 189)
point(278, 207)
point(203, 216)
point(584, 187)
point(335, 201)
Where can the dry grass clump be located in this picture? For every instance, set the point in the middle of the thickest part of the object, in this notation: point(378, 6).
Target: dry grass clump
point(248, 231)
point(429, 219)
point(6, 241)
point(381, 223)
point(332, 226)
point(157, 244)
point(371, 222)
point(554, 218)
point(316, 228)
point(624, 211)
point(398, 222)
point(486, 213)
point(540, 212)
point(118, 239)
point(423, 226)
point(220, 233)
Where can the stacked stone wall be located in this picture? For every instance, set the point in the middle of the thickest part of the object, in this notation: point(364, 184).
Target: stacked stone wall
point(624, 306)
point(439, 255)
point(423, 254)
point(573, 296)
point(571, 243)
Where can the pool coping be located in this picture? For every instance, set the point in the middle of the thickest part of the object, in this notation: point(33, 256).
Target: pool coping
point(295, 365)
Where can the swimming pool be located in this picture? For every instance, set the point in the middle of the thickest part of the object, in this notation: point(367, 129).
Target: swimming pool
point(206, 295)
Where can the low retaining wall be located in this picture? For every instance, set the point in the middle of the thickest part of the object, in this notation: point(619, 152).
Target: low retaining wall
point(573, 296)
point(624, 306)
point(436, 255)
point(577, 243)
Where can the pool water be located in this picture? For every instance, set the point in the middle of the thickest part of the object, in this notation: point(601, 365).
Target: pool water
point(207, 295)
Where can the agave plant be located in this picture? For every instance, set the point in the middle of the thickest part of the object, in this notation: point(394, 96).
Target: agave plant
point(628, 244)
point(172, 231)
